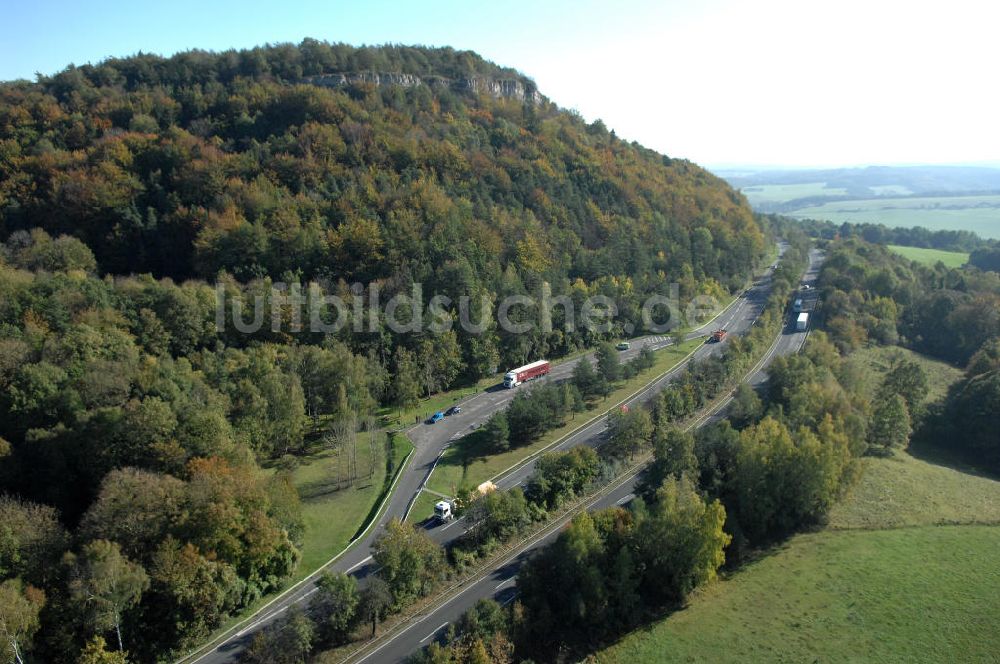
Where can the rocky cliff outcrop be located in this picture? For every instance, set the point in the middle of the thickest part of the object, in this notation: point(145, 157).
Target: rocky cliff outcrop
point(500, 88)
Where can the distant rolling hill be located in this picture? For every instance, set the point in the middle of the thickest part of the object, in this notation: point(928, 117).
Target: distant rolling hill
point(935, 197)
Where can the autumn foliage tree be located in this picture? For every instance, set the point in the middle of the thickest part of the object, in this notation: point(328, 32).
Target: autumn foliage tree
point(605, 569)
point(137, 193)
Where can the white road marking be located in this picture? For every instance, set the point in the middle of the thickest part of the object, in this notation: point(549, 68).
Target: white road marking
point(359, 564)
point(504, 583)
point(433, 633)
point(508, 601)
point(264, 620)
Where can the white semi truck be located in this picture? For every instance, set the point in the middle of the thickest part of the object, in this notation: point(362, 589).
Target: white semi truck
point(442, 510)
point(802, 322)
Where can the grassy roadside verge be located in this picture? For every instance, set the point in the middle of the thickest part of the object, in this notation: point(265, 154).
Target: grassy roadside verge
point(395, 417)
point(423, 507)
point(332, 521)
point(462, 465)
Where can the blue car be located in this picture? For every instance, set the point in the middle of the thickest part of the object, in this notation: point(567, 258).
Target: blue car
point(435, 417)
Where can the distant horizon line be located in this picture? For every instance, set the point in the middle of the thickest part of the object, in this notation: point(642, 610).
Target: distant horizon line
point(749, 166)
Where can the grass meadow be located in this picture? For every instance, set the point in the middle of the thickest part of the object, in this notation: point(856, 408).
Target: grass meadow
point(902, 595)
point(877, 360)
point(335, 511)
point(904, 572)
point(931, 256)
point(980, 214)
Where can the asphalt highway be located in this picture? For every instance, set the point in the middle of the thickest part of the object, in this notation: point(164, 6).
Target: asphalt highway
point(500, 582)
point(431, 439)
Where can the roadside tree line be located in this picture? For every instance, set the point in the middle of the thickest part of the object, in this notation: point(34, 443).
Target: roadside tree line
point(537, 409)
point(678, 509)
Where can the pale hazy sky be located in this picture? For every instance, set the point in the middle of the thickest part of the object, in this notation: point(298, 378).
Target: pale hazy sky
point(787, 82)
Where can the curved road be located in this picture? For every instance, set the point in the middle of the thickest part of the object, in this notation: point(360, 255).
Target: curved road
point(499, 582)
point(431, 439)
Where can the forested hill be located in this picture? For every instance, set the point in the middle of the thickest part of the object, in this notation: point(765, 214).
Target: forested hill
point(133, 425)
point(203, 162)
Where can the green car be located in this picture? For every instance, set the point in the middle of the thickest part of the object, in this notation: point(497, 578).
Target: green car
point(624, 345)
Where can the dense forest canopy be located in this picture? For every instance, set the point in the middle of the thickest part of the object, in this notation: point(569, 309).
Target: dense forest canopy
point(870, 293)
point(206, 162)
point(223, 166)
point(132, 426)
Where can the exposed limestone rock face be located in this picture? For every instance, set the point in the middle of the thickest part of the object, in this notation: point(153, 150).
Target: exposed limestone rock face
point(499, 88)
point(375, 78)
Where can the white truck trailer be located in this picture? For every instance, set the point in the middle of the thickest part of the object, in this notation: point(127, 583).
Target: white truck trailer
point(802, 322)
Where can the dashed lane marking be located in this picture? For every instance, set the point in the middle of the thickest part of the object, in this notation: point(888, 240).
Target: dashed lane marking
point(359, 564)
point(434, 632)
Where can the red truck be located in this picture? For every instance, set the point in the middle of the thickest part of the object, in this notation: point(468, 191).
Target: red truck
point(515, 377)
point(718, 336)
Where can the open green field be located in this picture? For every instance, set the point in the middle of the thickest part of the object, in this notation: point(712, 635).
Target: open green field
point(906, 572)
point(465, 464)
point(876, 360)
point(906, 595)
point(332, 514)
point(980, 213)
point(781, 193)
point(902, 491)
point(931, 256)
